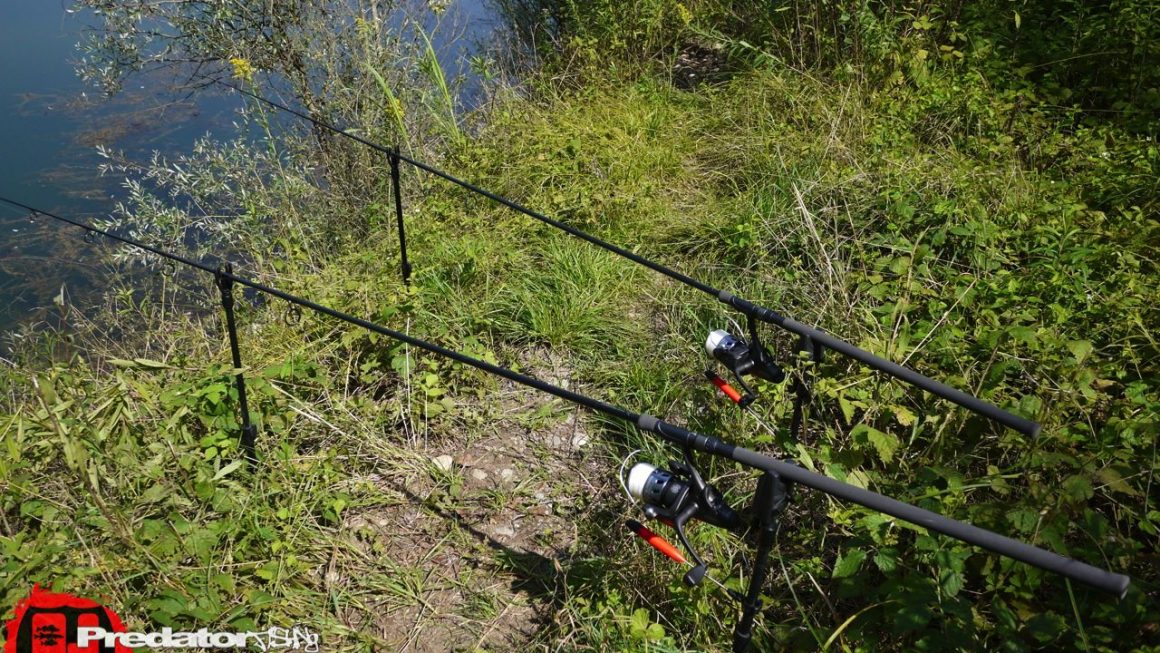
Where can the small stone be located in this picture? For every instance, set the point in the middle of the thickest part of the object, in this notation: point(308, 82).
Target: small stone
point(579, 440)
point(356, 523)
point(507, 474)
point(443, 462)
point(505, 531)
point(478, 474)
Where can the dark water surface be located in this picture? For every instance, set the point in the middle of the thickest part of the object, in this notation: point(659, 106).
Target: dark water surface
point(52, 124)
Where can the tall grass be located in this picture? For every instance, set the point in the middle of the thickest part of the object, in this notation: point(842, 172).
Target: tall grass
point(443, 100)
point(394, 105)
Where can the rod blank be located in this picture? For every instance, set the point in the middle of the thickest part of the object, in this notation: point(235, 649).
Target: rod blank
point(1106, 581)
point(972, 403)
point(1113, 583)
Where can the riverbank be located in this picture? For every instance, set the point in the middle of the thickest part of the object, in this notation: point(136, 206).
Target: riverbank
point(403, 501)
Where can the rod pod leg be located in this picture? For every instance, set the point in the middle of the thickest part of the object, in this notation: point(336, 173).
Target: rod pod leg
point(801, 387)
point(406, 264)
point(768, 504)
point(249, 434)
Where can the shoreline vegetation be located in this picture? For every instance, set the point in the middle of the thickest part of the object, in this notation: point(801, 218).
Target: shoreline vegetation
point(970, 189)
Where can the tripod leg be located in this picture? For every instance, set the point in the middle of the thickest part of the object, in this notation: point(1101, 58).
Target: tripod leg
point(406, 265)
point(768, 503)
point(249, 432)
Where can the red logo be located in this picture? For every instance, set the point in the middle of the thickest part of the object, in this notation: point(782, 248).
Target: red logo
point(47, 622)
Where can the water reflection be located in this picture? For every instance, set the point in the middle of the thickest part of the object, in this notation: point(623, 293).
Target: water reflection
point(53, 126)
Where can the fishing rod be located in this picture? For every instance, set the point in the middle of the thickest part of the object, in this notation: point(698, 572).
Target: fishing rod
point(812, 339)
point(682, 494)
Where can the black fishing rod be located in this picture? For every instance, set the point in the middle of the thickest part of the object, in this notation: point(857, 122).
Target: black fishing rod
point(812, 337)
point(1113, 583)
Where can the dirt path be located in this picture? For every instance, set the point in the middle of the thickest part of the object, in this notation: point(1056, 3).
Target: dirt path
point(478, 537)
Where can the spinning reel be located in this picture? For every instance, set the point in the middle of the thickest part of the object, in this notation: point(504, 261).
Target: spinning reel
point(742, 359)
point(677, 495)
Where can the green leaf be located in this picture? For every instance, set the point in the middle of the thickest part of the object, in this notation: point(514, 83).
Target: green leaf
point(915, 612)
point(201, 543)
point(224, 471)
point(164, 609)
point(847, 408)
point(886, 559)
point(243, 624)
point(268, 571)
point(904, 415)
point(877, 524)
point(639, 621)
point(1023, 520)
point(146, 362)
point(1078, 488)
point(139, 363)
point(259, 599)
point(1023, 334)
point(951, 582)
point(805, 458)
point(1046, 627)
point(225, 581)
point(885, 444)
point(849, 564)
point(1113, 480)
point(155, 493)
point(1081, 349)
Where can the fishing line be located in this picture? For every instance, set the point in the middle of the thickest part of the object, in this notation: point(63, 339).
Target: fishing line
point(395, 153)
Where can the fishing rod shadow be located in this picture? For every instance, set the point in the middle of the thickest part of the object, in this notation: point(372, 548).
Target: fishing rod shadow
point(538, 576)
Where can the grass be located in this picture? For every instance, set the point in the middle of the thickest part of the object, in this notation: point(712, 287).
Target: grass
point(829, 200)
point(574, 301)
point(806, 214)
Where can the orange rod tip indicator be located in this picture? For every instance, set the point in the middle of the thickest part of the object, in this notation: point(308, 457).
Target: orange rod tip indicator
point(725, 387)
point(655, 541)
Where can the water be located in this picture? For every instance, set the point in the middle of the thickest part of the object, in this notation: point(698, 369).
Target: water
point(52, 124)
